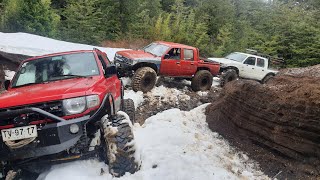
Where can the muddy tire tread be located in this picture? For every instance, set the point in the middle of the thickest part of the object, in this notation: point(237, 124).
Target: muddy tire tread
point(129, 108)
point(138, 77)
point(226, 75)
point(124, 158)
point(196, 81)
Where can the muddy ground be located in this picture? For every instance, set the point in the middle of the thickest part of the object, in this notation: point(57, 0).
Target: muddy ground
point(185, 101)
point(277, 124)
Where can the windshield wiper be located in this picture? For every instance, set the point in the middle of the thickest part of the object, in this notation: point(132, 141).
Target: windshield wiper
point(27, 84)
point(72, 75)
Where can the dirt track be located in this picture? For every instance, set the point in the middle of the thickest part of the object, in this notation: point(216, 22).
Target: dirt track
point(277, 124)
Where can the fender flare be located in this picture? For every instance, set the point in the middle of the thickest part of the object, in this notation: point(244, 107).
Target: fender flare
point(154, 66)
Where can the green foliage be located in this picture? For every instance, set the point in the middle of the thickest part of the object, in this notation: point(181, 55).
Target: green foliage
point(284, 28)
point(32, 16)
point(82, 22)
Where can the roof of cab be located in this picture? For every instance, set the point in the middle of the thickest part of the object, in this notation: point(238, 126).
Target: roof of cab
point(251, 55)
point(171, 44)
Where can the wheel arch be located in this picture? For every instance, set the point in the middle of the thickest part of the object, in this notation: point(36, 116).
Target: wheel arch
point(203, 68)
point(230, 67)
point(270, 73)
point(146, 64)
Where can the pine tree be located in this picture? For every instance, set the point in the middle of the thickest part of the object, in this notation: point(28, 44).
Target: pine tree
point(32, 16)
point(82, 22)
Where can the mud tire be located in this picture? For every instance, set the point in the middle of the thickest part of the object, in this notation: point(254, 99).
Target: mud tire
point(144, 79)
point(227, 76)
point(202, 81)
point(128, 107)
point(267, 78)
point(117, 139)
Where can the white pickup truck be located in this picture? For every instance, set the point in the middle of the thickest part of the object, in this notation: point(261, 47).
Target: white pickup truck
point(243, 65)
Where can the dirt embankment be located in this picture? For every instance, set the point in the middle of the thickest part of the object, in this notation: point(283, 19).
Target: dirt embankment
point(277, 124)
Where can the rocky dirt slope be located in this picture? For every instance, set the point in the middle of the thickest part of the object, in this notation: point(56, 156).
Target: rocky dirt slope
point(278, 123)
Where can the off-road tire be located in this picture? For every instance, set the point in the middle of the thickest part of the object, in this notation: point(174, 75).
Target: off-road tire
point(129, 108)
point(144, 79)
point(227, 76)
point(267, 78)
point(202, 81)
point(117, 138)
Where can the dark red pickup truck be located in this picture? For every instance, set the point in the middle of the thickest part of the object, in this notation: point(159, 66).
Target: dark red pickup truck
point(165, 59)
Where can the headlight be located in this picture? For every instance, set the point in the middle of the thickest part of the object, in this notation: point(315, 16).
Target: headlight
point(92, 101)
point(80, 104)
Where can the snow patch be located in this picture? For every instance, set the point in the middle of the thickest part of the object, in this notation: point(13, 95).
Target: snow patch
point(215, 82)
point(9, 74)
point(174, 144)
point(137, 97)
point(168, 94)
point(34, 45)
point(126, 81)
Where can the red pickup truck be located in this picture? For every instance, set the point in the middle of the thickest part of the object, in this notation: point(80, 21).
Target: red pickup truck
point(55, 109)
point(165, 59)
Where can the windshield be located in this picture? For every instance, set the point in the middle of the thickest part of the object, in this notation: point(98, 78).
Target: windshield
point(56, 68)
point(236, 57)
point(156, 49)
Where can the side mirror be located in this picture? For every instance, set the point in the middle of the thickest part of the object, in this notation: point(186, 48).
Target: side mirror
point(6, 84)
point(111, 70)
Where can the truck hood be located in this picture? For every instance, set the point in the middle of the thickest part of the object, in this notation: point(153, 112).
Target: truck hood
point(137, 55)
point(223, 60)
point(51, 91)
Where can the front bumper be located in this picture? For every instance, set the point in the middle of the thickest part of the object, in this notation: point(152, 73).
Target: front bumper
point(124, 69)
point(52, 138)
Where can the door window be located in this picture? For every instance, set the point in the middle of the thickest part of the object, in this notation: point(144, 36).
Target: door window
point(260, 62)
point(174, 53)
point(250, 61)
point(188, 54)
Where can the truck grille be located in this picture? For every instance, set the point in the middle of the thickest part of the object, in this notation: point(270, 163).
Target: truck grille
point(54, 107)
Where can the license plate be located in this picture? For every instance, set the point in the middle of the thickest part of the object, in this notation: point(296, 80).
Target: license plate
point(19, 133)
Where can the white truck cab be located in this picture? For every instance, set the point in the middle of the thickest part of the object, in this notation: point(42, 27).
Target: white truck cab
point(246, 66)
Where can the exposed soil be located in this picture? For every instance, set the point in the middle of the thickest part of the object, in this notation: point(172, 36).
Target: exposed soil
point(277, 124)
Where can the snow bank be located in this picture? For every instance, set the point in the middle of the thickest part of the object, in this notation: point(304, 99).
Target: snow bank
point(137, 97)
point(33, 45)
point(168, 94)
point(174, 145)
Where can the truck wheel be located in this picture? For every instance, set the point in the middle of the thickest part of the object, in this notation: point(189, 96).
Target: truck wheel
point(118, 145)
point(202, 81)
point(144, 79)
point(128, 107)
point(227, 76)
point(267, 78)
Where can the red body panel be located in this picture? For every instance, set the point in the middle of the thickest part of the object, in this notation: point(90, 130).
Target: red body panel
point(136, 54)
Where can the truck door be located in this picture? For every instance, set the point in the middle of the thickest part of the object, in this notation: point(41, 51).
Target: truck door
point(261, 69)
point(187, 63)
point(170, 64)
point(112, 87)
point(247, 69)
